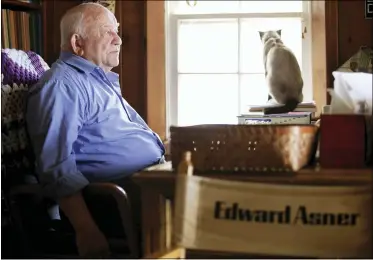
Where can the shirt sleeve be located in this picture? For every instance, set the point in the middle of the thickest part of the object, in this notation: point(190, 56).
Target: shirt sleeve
point(54, 116)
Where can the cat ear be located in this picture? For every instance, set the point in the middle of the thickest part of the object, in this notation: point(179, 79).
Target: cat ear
point(261, 34)
point(279, 32)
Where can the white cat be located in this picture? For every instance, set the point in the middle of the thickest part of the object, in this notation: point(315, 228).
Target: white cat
point(282, 72)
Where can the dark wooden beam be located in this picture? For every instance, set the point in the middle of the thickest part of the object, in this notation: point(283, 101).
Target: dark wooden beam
point(332, 45)
point(132, 66)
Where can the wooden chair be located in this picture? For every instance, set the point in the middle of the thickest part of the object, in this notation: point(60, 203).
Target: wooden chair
point(27, 227)
point(301, 216)
point(309, 213)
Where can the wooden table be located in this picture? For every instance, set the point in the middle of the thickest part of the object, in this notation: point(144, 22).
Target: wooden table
point(158, 188)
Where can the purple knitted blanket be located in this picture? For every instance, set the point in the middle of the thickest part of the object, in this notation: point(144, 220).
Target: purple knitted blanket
point(21, 67)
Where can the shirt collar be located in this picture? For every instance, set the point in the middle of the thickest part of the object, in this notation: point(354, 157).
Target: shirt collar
point(85, 65)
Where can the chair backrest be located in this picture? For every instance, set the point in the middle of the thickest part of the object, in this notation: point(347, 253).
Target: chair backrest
point(302, 215)
point(19, 70)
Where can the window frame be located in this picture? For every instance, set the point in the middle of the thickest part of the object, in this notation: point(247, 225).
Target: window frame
point(171, 43)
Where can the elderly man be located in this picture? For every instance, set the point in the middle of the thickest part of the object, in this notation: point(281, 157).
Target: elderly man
point(80, 127)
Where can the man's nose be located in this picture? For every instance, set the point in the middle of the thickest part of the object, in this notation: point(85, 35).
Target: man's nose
point(117, 40)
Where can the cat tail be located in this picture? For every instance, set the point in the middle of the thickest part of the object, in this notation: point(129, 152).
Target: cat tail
point(290, 106)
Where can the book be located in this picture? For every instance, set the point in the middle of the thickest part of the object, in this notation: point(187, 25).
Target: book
point(302, 107)
point(288, 118)
point(21, 30)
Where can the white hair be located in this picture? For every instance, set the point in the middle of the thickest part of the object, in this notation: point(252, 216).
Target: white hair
point(72, 22)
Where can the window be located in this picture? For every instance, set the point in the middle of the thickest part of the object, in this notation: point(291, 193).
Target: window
point(214, 56)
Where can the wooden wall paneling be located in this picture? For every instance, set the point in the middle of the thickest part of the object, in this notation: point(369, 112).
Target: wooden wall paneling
point(132, 67)
point(353, 29)
point(319, 53)
point(156, 66)
point(44, 17)
point(53, 10)
point(347, 30)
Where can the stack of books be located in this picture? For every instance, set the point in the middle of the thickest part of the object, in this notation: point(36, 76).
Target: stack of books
point(301, 115)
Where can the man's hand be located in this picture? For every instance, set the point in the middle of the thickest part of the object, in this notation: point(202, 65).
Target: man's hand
point(167, 147)
point(92, 243)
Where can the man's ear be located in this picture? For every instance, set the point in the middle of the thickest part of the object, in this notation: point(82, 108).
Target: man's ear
point(279, 32)
point(261, 34)
point(77, 45)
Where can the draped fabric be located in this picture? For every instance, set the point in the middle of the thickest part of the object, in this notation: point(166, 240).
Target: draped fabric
point(19, 71)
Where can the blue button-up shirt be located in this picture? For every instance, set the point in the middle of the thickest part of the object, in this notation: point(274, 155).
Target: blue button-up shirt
point(82, 130)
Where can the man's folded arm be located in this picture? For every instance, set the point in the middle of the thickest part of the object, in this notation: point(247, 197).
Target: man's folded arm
point(54, 115)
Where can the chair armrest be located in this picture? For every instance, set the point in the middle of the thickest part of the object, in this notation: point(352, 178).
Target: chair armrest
point(23, 189)
point(124, 209)
point(120, 196)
